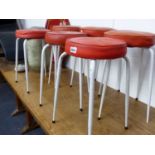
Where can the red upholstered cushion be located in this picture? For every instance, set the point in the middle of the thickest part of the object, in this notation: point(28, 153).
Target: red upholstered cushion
point(95, 31)
point(95, 47)
point(31, 33)
point(133, 38)
point(51, 22)
point(59, 37)
point(66, 28)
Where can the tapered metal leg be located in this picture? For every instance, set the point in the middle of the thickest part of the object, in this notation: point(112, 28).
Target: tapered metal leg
point(127, 89)
point(42, 71)
point(57, 85)
point(74, 59)
point(102, 80)
point(16, 60)
point(119, 75)
point(50, 67)
point(97, 67)
point(139, 75)
point(91, 95)
point(108, 63)
point(26, 66)
point(87, 63)
point(80, 83)
point(150, 83)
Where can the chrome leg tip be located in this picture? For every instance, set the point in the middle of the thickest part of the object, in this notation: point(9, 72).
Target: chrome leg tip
point(126, 127)
point(99, 118)
point(81, 109)
point(136, 99)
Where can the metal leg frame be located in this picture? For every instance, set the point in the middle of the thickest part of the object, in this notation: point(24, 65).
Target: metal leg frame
point(57, 82)
point(42, 72)
point(126, 93)
point(139, 75)
point(74, 59)
point(50, 67)
point(119, 75)
point(26, 66)
point(104, 88)
point(91, 95)
point(80, 83)
point(16, 60)
point(102, 80)
point(150, 84)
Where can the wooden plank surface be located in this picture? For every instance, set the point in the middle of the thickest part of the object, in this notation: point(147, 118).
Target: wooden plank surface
point(69, 120)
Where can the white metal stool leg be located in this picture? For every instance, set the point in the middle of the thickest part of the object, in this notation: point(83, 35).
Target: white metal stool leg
point(43, 43)
point(57, 82)
point(42, 72)
point(26, 66)
point(80, 83)
point(104, 88)
point(119, 75)
point(97, 67)
point(102, 80)
point(127, 89)
point(16, 60)
point(150, 83)
point(56, 57)
point(73, 70)
point(139, 75)
point(87, 63)
point(91, 95)
point(50, 67)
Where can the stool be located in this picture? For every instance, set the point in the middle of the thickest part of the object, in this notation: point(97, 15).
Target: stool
point(93, 48)
point(26, 34)
point(62, 28)
point(57, 39)
point(92, 32)
point(142, 40)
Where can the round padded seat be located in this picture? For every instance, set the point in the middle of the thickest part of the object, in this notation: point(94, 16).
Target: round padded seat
point(96, 48)
point(31, 33)
point(59, 37)
point(95, 31)
point(133, 38)
point(66, 28)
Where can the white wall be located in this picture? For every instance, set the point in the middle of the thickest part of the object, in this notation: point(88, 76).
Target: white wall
point(133, 54)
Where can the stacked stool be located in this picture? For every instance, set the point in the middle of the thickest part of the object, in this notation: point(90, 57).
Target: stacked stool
point(94, 48)
point(57, 39)
point(28, 34)
point(55, 53)
point(91, 32)
point(142, 40)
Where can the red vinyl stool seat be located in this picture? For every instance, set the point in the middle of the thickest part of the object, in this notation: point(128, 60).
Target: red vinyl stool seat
point(93, 48)
point(66, 28)
point(95, 31)
point(31, 33)
point(60, 37)
point(144, 40)
point(133, 38)
point(55, 39)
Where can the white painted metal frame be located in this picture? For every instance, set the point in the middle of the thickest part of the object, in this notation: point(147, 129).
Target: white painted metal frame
point(126, 92)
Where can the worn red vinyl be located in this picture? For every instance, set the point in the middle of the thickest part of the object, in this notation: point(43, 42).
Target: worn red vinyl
point(95, 31)
point(133, 38)
point(59, 37)
point(31, 33)
point(96, 47)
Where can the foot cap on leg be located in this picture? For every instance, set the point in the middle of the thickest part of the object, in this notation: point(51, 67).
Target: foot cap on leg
point(53, 122)
point(81, 109)
point(99, 118)
point(126, 127)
